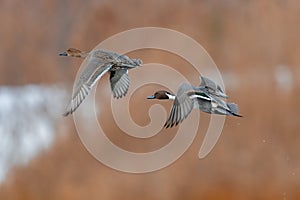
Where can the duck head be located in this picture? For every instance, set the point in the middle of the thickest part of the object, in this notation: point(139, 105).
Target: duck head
point(162, 94)
point(73, 53)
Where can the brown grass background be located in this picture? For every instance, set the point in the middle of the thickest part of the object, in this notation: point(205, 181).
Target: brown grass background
point(257, 157)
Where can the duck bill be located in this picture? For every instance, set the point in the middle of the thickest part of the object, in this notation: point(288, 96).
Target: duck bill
point(151, 97)
point(63, 54)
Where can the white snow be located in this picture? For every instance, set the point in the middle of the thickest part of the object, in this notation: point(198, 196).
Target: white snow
point(28, 117)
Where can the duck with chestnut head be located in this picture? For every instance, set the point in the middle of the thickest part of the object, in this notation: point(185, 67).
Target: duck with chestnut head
point(189, 97)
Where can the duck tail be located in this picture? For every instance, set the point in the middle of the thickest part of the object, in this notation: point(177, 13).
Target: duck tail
point(233, 109)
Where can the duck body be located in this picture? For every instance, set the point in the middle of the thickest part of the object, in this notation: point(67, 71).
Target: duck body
point(98, 63)
point(204, 97)
point(211, 104)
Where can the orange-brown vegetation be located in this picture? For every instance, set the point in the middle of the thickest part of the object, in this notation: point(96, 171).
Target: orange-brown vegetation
point(257, 157)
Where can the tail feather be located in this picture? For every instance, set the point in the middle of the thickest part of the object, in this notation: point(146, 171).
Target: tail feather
point(233, 109)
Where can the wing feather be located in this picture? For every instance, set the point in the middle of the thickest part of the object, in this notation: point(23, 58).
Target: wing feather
point(119, 82)
point(93, 71)
point(182, 106)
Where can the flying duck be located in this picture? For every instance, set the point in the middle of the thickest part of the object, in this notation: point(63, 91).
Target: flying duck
point(99, 62)
point(205, 97)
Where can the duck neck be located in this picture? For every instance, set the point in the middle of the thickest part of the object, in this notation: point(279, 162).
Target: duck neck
point(83, 54)
point(171, 96)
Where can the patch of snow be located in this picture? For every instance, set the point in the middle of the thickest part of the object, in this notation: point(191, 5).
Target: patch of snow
point(28, 117)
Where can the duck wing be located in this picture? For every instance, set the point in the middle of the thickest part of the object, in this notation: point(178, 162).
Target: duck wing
point(212, 87)
point(94, 70)
point(207, 82)
point(182, 105)
point(126, 62)
point(119, 82)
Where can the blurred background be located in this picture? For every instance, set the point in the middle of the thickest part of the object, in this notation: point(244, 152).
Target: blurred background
point(254, 43)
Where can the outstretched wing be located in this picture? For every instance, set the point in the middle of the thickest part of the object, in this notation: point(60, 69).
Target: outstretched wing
point(93, 71)
point(212, 87)
point(182, 106)
point(119, 82)
point(207, 82)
